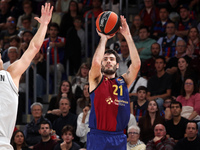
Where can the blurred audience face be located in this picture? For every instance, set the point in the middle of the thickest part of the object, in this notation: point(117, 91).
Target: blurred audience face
point(184, 13)
point(155, 49)
point(64, 106)
point(45, 130)
point(12, 55)
point(4, 6)
point(36, 111)
point(96, 4)
point(67, 137)
point(86, 91)
point(189, 86)
point(182, 64)
point(167, 103)
point(143, 34)
point(11, 23)
point(173, 2)
point(137, 21)
point(159, 65)
point(170, 29)
point(27, 37)
point(152, 107)
point(53, 32)
point(141, 94)
point(181, 47)
point(163, 14)
point(26, 24)
point(133, 135)
point(124, 48)
point(191, 131)
point(148, 3)
point(73, 6)
point(84, 71)
point(27, 9)
point(175, 110)
point(193, 34)
point(159, 130)
point(65, 87)
point(19, 138)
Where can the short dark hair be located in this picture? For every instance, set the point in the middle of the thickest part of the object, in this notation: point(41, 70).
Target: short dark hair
point(26, 17)
point(161, 57)
point(66, 99)
point(142, 88)
point(156, 44)
point(171, 23)
point(45, 122)
point(144, 27)
point(110, 51)
point(191, 121)
point(54, 24)
point(67, 128)
point(176, 102)
point(14, 37)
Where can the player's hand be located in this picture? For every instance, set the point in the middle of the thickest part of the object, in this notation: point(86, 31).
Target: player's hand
point(104, 36)
point(46, 13)
point(124, 29)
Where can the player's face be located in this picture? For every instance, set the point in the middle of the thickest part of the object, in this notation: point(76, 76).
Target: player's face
point(44, 130)
point(19, 138)
point(109, 64)
point(133, 135)
point(67, 137)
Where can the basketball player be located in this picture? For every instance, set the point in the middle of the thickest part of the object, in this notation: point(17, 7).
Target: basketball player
point(9, 80)
point(110, 109)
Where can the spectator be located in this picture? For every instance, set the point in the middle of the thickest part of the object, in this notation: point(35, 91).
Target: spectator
point(84, 100)
point(83, 125)
point(149, 14)
point(18, 141)
point(46, 143)
point(176, 126)
point(53, 110)
point(137, 23)
point(184, 71)
point(116, 45)
point(67, 137)
point(190, 99)
point(4, 13)
point(169, 42)
point(160, 141)
point(12, 55)
point(62, 6)
point(124, 58)
point(112, 5)
point(172, 64)
point(185, 22)
point(148, 68)
point(159, 85)
point(80, 80)
point(55, 42)
point(66, 117)
point(31, 132)
point(166, 112)
point(144, 44)
point(139, 107)
point(139, 81)
point(67, 18)
point(192, 141)
point(160, 26)
point(194, 40)
point(133, 139)
point(8, 32)
point(149, 121)
point(28, 11)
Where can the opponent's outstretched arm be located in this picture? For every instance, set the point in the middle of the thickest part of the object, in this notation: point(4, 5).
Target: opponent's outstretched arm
point(133, 69)
point(19, 67)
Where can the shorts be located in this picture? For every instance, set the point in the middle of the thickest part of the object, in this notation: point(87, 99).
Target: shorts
point(105, 140)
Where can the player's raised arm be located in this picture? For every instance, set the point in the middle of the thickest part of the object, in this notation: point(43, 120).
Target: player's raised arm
point(19, 67)
point(133, 69)
point(95, 71)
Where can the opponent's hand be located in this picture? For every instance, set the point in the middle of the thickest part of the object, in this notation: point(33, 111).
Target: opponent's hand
point(46, 13)
point(124, 29)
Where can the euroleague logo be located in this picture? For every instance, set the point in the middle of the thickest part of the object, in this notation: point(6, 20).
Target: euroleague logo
point(104, 19)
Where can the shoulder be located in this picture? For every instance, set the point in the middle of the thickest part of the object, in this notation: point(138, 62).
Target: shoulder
point(75, 145)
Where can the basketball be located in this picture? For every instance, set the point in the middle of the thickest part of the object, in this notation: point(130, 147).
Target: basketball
point(108, 23)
